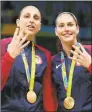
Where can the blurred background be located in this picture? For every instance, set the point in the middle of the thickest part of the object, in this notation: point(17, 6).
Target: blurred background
point(49, 11)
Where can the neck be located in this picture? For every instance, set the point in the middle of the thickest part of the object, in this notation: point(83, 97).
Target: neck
point(67, 47)
point(31, 38)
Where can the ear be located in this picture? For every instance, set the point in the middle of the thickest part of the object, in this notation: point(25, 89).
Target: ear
point(78, 28)
point(56, 31)
point(40, 26)
point(18, 22)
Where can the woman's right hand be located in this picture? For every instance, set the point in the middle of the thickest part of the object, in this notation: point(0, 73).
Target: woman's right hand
point(18, 43)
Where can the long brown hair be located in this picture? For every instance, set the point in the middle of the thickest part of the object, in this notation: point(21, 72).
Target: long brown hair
point(58, 42)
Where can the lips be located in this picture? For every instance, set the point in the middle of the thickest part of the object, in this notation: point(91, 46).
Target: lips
point(31, 27)
point(67, 34)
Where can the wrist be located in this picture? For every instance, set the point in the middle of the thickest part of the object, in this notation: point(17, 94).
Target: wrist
point(8, 56)
point(90, 68)
point(11, 52)
point(89, 62)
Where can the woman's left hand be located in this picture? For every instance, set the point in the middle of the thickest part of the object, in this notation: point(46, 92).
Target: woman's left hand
point(82, 56)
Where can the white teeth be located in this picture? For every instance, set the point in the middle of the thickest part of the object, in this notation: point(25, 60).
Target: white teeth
point(30, 26)
point(67, 34)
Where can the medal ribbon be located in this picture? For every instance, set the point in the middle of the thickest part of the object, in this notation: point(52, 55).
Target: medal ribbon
point(64, 71)
point(33, 67)
point(68, 84)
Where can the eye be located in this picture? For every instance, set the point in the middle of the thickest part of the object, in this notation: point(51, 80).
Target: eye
point(36, 17)
point(26, 16)
point(70, 24)
point(61, 25)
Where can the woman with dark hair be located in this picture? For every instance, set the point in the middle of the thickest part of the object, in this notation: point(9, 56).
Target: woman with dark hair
point(26, 68)
point(72, 79)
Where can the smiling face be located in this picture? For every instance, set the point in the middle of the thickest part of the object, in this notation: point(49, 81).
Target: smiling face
point(29, 20)
point(66, 28)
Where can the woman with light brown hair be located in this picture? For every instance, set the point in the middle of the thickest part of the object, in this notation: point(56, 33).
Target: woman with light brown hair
point(70, 75)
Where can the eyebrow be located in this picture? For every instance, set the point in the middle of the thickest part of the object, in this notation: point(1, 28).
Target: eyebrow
point(27, 13)
point(70, 22)
point(36, 15)
point(61, 23)
point(67, 22)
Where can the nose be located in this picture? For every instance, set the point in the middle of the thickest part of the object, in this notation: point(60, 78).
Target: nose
point(31, 20)
point(66, 28)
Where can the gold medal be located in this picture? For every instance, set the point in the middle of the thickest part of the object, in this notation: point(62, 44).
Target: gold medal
point(69, 103)
point(31, 97)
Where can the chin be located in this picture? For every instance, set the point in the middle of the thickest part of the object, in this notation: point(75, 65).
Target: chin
point(30, 32)
point(69, 39)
